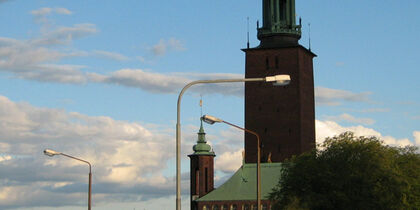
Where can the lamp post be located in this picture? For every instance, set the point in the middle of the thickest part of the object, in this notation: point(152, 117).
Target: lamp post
point(51, 153)
point(211, 120)
point(277, 80)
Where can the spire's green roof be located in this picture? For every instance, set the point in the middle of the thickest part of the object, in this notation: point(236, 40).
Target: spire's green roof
point(202, 148)
point(242, 185)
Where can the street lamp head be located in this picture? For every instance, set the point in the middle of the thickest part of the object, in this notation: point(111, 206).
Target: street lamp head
point(279, 80)
point(210, 119)
point(51, 153)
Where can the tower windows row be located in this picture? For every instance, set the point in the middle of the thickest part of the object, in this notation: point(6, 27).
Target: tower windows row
point(234, 207)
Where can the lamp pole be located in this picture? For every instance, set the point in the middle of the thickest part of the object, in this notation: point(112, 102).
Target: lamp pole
point(277, 80)
point(51, 153)
point(211, 120)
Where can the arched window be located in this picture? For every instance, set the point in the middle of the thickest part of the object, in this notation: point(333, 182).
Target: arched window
point(206, 207)
point(224, 207)
point(234, 207)
point(254, 207)
point(246, 207)
point(215, 207)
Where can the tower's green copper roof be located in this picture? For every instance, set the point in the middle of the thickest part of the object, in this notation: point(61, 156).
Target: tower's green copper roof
point(243, 184)
point(202, 148)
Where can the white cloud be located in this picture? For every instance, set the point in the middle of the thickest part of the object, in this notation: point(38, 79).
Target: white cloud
point(229, 162)
point(159, 48)
point(40, 15)
point(36, 59)
point(63, 11)
point(334, 97)
point(111, 55)
point(148, 81)
point(168, 83)
point(41, 11)
point(329, 129)
point(163, 46)
point(416, 135)
point(349, 118)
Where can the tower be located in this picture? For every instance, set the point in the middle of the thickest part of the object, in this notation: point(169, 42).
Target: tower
point(284, 117)
point(201, 168)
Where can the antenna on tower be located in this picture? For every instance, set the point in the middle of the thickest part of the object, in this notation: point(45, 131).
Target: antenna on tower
point(247, 33)
point(309, 25)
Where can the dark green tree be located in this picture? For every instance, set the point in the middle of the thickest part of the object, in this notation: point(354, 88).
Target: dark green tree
point(350, 172)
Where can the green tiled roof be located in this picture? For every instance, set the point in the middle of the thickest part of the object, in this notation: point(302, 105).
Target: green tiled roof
point(243, 184)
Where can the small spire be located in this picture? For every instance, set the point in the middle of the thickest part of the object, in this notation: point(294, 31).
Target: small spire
point(201, 134)
point(202, 148)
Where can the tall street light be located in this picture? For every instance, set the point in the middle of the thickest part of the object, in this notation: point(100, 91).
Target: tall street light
point(277, 80)
point(51, 153)
point(211, 120)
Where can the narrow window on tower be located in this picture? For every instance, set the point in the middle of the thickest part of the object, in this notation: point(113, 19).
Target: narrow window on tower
point(266, 63)
point(197, 182)
point(206, 180)
point(277, 62)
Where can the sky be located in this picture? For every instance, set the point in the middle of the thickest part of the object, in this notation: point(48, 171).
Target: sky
point(99, 80)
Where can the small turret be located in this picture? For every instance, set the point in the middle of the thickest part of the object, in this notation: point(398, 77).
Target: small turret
point(201, 168)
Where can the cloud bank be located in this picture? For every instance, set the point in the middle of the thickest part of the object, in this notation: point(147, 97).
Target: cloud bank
point(127, 157)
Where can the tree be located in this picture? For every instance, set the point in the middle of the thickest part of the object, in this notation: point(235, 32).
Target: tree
point(349, 172)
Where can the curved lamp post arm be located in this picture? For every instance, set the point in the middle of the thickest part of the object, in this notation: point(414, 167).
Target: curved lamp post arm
point(278, 80)
point(90, 166)
point(178, 125)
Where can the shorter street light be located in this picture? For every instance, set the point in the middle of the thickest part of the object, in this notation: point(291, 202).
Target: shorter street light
point(51, 153)
point(211, 120)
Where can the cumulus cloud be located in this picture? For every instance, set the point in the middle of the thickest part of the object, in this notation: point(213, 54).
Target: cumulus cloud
point(229, 162)
point(163, 46)
point(334, 97)
point(330, 128)
point(127, 157)
point(349, 118)
point(416, 135)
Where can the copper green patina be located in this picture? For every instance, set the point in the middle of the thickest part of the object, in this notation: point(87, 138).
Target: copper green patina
point(279, 17)
point(202, 148)
point(242, 185)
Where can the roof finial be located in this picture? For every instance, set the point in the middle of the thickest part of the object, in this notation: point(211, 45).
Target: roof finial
point(247, 32)
point(309, 25)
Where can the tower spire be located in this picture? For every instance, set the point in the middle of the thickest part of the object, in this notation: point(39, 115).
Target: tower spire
point(279, 24)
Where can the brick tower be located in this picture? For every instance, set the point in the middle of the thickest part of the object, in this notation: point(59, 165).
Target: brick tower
point(201, 168)
point(284, 117)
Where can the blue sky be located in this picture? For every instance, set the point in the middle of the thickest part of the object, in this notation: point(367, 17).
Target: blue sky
point(99, 80)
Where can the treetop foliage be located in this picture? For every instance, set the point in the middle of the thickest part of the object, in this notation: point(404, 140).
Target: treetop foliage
point(351, 172)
